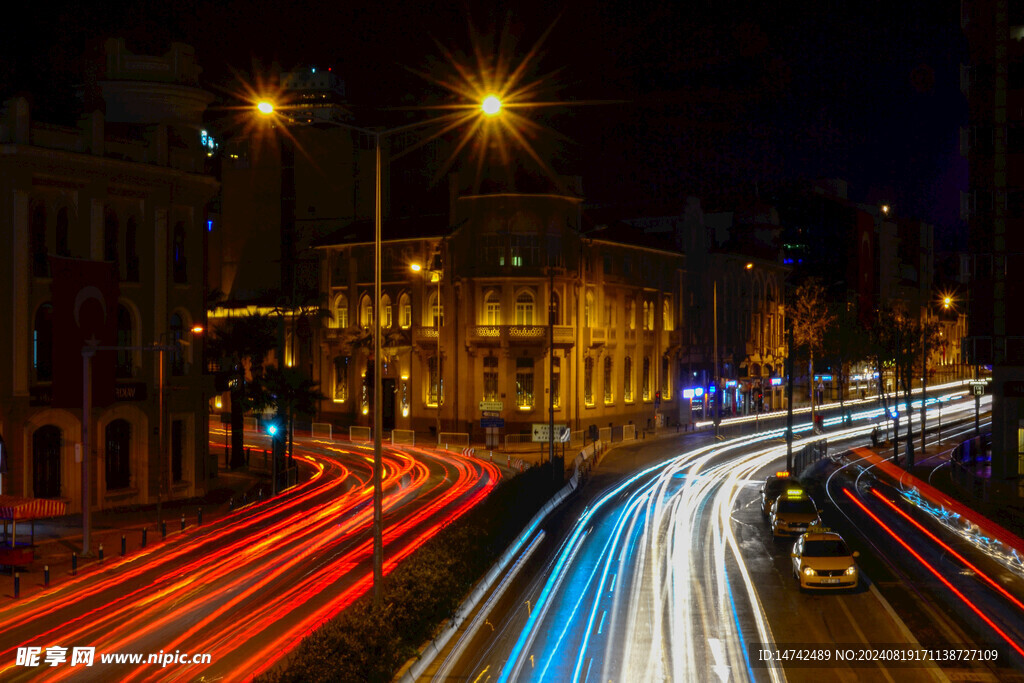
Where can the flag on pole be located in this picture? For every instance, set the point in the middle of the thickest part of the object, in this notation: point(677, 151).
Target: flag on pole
point(84, 313)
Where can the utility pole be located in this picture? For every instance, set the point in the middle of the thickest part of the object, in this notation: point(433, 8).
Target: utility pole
point(789, 398)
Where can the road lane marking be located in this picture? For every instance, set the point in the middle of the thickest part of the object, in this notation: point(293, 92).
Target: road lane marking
point(601, 626)
point(863, 638)
point(477, 679)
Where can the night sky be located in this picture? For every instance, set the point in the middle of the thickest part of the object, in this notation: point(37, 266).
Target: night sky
point(708, 98)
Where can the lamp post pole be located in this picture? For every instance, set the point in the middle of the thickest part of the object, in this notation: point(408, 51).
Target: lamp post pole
point(718, 396)
point(551, 369)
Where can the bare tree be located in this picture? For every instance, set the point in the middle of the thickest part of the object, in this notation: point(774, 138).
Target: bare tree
point(810, 316)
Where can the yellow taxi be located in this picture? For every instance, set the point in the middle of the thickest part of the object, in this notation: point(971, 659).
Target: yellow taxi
point(792, 513)
point(773, 487)
point(821, 559)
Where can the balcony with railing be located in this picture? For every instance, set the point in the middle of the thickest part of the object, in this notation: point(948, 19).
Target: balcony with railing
point(593, 337)
point(518, 335)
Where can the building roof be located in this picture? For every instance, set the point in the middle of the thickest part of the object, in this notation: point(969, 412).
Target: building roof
point(403, 228)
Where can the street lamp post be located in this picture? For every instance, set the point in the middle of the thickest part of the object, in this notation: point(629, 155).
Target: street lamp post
point(490, 106)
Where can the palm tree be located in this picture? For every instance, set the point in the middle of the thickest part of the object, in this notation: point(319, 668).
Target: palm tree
point(243, 343)
point(810, 319)
point(289, 391)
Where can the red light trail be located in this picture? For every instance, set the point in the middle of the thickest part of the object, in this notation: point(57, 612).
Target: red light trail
point(246, 589)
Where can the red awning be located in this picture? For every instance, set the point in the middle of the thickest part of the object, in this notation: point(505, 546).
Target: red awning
point(13, 507)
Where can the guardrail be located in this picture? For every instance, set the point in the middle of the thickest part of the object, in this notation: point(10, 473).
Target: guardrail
point(457, 439)
point(356, 433)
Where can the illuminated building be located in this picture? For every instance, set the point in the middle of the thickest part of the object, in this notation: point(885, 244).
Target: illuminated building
point(127, 187)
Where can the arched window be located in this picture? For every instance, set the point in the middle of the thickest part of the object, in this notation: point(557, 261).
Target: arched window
point(365, 313)
point(37, 237)
point(124, 364)
point(63, 243)
point(631, 314)
point(118, 454)
point(46, 444)
point(177, 333)
point(42, 344)
point(588, 382)
point(524, 308)
point(588, 310)
point(492, 308)
point(131, 251)
point(179, 262)
point(385, 312)
point(405, 311)
point(524, 382)
point(340, 312)
point(436, 310)
point(609, 394)
point(627, 379)
point(111, 234)
point(556, 308)
point(666, 315)
point(645, 379)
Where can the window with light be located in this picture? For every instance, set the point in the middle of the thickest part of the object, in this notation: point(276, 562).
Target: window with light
point(627, 379)
point(492, 309)
point(490, 378)
point(435, 385)
point(524, 383)
point(404, 311)
point(524, 309)
point(556, 382)
point(609, 394)
point(588, 382)
point(646, 379)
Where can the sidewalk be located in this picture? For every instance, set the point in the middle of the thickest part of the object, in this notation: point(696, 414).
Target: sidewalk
point(56, 539)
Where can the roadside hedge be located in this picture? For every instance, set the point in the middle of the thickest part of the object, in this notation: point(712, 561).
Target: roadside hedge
point(361, 644)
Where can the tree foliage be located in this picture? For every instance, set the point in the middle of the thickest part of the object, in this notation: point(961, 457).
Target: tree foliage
point(242, 345)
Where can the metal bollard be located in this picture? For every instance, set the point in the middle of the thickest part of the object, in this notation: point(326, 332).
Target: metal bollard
point(124, 545)
point(144, 530)
point(101, 552)
point(46, 575)
point(231, 503)
point(74, 563)
point(163, 529)
point(182, 521)
point(199, 518)
point(17, 585)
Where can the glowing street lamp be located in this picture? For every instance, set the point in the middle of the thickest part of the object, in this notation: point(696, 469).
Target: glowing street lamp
point(491, 105)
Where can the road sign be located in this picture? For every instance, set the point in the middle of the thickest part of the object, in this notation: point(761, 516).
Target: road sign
point(489, 406)
point(540, 432)
point(492, 422)
point(490, 413)
point(978, 388)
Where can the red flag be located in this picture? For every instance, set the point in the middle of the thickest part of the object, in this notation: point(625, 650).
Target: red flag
point(84, 313)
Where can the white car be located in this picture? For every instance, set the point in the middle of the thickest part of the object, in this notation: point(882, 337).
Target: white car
point(821, 559)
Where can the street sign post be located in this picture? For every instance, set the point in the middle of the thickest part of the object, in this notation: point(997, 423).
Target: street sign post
point(541, 433)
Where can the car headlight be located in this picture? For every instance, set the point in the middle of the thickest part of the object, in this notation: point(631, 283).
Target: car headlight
point(809, 572)
point(851, 571)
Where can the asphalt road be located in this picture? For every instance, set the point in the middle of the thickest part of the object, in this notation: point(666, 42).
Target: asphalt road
point(246, 589)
